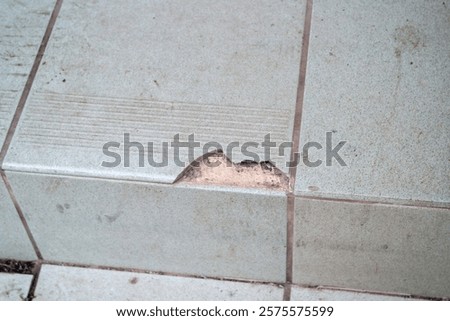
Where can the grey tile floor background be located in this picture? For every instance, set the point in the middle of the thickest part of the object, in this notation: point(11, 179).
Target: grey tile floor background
point(373, 74)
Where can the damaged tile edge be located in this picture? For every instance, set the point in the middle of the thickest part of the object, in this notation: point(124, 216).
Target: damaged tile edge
point(153, 179)
point(216, 169)
point(206, 187)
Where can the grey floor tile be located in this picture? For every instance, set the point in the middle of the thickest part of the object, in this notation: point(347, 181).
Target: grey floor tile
point(224, 71)
point(172, 228)
point(71, 283)
point(22, 27)
point(383, 248)
point(14, 287)
point(377, 78)
point(14, 241)
point(308, 294)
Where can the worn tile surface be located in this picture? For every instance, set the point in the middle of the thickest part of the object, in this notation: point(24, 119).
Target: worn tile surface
point(308, 294)
point(372, 247)
point(378, 79)
point(14, 242)
point(22, 27)
point(224, 71)
point(182, 229)
point(14, 287)
point(72, 283)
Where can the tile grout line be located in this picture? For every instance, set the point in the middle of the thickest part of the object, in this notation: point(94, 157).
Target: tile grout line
point(21, 215)
point(289, 246)
point(361, 291)
point(30, 80)
point(300, 96)
point(34, 281)
point(294, 151)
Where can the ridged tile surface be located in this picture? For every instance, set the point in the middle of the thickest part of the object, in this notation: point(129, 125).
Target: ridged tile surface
point(22, 26)
point(223, 71)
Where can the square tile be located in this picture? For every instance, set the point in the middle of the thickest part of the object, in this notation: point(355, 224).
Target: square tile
point(377, 78)
point(221, 232)
point(383, 248)
point(14, 241)
point(57, 283)
point(223, 71)
point(22, 27)
point(14, 287)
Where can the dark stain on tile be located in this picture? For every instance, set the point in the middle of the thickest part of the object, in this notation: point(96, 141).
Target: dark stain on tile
point(113, 218)
point(407, 38)
point(60, 208)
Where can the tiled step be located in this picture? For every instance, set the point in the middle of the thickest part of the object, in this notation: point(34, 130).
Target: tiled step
point(376, 78)
point(71, 283)
point(225, 72)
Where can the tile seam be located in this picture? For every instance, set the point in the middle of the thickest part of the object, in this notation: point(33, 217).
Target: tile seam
point(295, 148)
point(362, 291)
point(380, 201)
point(34, 281)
